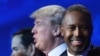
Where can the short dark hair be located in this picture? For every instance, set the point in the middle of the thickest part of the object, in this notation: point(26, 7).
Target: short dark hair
point(79, 8)
point(26, 38)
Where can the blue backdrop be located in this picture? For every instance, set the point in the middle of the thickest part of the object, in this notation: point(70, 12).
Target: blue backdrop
point(14, 15)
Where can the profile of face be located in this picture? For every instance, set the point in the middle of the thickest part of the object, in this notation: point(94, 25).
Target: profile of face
point(18, 49)
point(43, 34)
point(77, 31)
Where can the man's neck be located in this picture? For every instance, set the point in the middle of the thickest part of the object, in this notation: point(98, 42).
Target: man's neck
point(57, 42)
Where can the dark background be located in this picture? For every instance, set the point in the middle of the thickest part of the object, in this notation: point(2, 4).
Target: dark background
point(14, 15)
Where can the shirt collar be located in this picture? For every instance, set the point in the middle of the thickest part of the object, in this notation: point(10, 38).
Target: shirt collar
point(58, 50)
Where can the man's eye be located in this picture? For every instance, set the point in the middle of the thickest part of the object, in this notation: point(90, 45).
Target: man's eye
point(15, 48)
point(71, 28)
point(84, 27)
point(38, 23)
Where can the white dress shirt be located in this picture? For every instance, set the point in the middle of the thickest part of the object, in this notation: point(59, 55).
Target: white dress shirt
point(58, 50)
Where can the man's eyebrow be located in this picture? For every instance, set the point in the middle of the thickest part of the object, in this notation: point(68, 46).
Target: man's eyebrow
point(71, 25)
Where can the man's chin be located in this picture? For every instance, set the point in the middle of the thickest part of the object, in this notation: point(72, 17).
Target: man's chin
point(36, 46)
point(77, 50)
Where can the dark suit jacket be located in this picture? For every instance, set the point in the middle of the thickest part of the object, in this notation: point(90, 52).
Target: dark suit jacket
point(92, 52)
point(64, 53)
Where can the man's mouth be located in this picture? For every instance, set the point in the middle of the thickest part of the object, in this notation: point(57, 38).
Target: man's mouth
point(35, 41)
point(75, 42)
point(34, 38)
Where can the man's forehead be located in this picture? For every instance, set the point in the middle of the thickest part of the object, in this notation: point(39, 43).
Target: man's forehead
point(76, 16)
point(16, 40)
point(37, 20)
point(42, 19)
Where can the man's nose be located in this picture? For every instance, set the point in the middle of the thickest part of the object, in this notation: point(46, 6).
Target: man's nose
point(77, 32)
point(34, 30)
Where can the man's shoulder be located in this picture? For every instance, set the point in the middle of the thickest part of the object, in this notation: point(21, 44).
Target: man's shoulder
point(94, 52)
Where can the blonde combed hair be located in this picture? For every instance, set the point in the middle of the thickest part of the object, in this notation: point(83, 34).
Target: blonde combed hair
point(54, 12)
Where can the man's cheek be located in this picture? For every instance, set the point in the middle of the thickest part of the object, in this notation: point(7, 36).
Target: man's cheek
point(21, 54)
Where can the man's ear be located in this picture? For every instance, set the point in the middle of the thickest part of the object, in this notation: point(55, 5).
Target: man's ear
point(56, 31)
point(31, 50)
point(62, 31)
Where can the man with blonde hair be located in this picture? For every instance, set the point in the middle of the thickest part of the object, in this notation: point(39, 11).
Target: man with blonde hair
point(46, 31)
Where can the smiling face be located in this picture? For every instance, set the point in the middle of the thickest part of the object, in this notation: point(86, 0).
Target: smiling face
point(77, 30)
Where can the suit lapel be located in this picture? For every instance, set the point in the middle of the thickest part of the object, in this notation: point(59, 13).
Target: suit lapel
point(64, 53)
